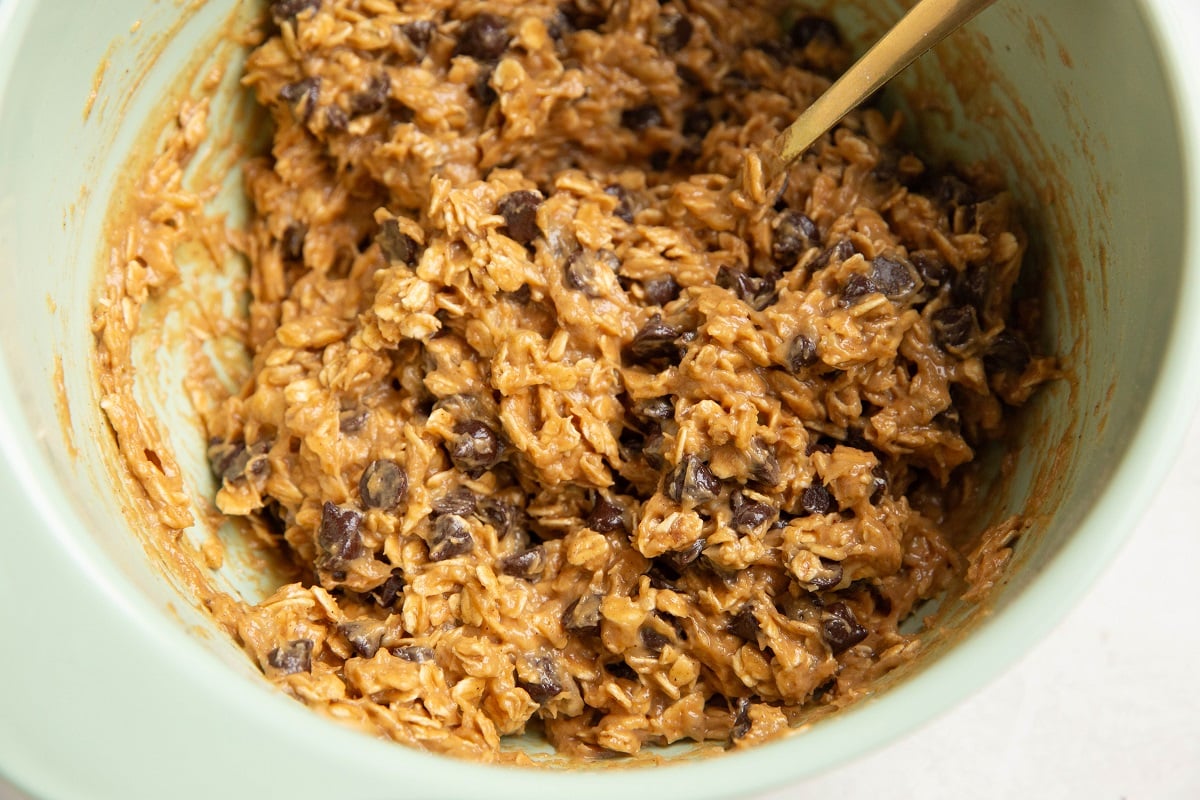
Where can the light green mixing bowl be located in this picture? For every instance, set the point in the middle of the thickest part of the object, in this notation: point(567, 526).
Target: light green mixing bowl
point(113, 686)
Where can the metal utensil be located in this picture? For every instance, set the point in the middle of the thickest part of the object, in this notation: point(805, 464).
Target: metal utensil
point(921, 28)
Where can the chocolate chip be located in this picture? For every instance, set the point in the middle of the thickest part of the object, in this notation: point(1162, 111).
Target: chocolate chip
point(744, 624)
point(834, 254)
point(294, 657)
point(475, 448)
point(363, 637)
point(451, 538)
point(811, 28)
point(582, 270)
point(525, 564)
point(764, 464)
point(540, 679)
point(955, 327)
point(483, 37)
point(826, 577)
point(383, 484)
point(519, 210)
point(482, 89)
point(892, 276)
point(793, 234)
point(302, 96)
point(950, 190)
point(498, 513)
point(692, 481)
point(652, 640)
point(352, 420)
point(1008, 352)
point(338, 536)
point(972, 285)
point(373, 98)
point(816, 499)
point(584, 15)
point(583, 615)
point(750, 515)
point(287, 10)
point(397, 247)
point(293, 241)
point(697, 122)
point(641, 118)
point(335, 119)
point(623, 210)
point(605, 516)
point(414, 653)
point(660, 291)
point(878, 482)
point(386, 593)
point(418, 32)
point(802, 352)
point(932, 269)
point(841, 628)
point(654, 449)
point(741, 718)
point(680, 560)
point(621, 670)
point(857, 287)
point(755, 291)
point(655, 343)
point(674, 31)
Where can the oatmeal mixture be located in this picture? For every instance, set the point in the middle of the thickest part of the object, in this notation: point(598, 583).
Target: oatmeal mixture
point(569, 430)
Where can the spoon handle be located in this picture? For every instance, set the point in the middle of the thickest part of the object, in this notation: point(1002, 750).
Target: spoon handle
point(925, 25)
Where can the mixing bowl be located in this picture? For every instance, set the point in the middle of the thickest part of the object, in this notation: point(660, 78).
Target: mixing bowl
point(117, 685)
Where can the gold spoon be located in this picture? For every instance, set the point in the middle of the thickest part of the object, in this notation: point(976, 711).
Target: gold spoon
point(925, 25)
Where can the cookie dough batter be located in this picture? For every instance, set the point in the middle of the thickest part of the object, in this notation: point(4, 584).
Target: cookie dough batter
point(566, 430)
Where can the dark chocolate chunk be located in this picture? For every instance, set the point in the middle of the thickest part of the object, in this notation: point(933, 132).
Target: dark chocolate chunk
point(584, 15)
point(605, 516)
point(680, 560)
point(293, 241)
point(338, 536)
point(641, 118)
point(744, 624)
point(583, 615)
point(1008, 352)
point(373, 97)
point(498, 513)
point(418, 32)
point(841, 628)
point(816, 499)
point(652, 640)
point(741, 718)
point(879, 482)
point(827, 577)
point(834, 254)
point(482, 89)
point(335, 119)
point(484, 37)
point(540, 679)
point(295, 656)
point(764, 464)
point(302, 96)
point(755, 291)
point(653, 449)
point(655, 343)
point(697, 122)
point(475, 448)
point(811, 28)
point(793, 234)
point(525, 564)
point(287, 10)
point(623, 210)
point(802, 352)
point(674, 31)
point(385, 594)
point(414, 653)
point(971, 286)
point(582, 270)
point(397, 247)
point(383, 484)
point(519, 210)
point(892, 276)
point(932, 269)
point(857, 287)
point(451, 538)
point(363, 637)
point(692, 481)
point(621, 670)
point(955, 327)
point(660, 291)
point(749, 515)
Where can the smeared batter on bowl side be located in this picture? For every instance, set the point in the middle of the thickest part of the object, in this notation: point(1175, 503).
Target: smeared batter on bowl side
point(562, 427)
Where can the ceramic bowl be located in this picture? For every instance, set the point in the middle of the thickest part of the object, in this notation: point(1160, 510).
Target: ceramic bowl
point(116, 686)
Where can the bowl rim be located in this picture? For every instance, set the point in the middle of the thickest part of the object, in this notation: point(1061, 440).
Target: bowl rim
point(991, 648)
